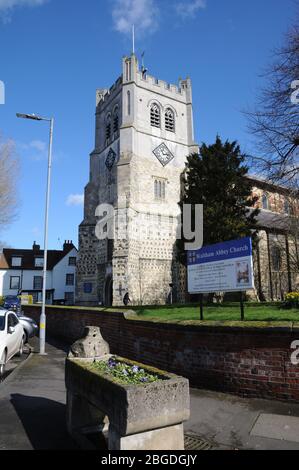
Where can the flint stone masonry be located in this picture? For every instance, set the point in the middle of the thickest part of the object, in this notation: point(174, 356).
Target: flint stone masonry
point(247, 361)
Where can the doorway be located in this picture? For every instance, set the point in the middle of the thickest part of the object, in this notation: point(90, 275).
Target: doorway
point(109, 292)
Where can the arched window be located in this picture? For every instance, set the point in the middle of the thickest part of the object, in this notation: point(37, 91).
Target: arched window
point(265, 202)
point(108, 129)
point(160, 190)
point(169, 120)
point(129, 103)
point(116, 121)
point(155, 116)
point(156, 190)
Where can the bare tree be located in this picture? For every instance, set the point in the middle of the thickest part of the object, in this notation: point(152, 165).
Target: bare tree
point(8, 181)
point(275, 121)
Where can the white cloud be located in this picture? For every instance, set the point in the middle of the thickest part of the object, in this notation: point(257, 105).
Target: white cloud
point(36, 150)
point(7, 6)
point(38, 145)
point(143, 13)
point(188, 9)
point(75, 200)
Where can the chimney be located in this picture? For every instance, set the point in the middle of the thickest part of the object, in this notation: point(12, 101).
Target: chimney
point(35, 247)
point(68, 245)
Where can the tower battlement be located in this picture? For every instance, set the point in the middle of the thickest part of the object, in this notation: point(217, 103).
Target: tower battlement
point(104, 94)
point(133, 74)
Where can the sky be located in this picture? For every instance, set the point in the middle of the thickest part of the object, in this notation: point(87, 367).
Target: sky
point(54, 54)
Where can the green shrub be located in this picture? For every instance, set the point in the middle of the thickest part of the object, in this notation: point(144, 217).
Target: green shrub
point(1, 300)
point(292, 300)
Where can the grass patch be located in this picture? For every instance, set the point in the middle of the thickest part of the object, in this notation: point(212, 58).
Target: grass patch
point(230, 312)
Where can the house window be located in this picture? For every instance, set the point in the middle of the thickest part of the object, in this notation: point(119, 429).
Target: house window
point(16, 262)
point(15, 283)
point(69, 298)
point(160, 189)
point(38, 283)
point(155, 116)
point(169, 120)
point(39, 262)
point(265, 202)
point(88, 288)
point(70, 279)
point(72, 261)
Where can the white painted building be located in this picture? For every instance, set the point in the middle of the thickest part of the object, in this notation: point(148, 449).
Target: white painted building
point(21, 272)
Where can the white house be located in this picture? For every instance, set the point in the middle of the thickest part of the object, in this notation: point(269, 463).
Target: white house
point(21, 272)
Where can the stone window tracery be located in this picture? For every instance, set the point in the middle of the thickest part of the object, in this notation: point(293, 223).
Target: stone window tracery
point(155, 115)
point(169, 120)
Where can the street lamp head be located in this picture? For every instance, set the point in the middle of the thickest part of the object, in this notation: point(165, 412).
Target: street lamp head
point(30, 116)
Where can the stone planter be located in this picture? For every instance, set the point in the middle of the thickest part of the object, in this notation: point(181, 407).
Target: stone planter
point(141, 417)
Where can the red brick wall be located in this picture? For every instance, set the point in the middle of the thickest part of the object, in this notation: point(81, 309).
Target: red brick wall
point(244, 361)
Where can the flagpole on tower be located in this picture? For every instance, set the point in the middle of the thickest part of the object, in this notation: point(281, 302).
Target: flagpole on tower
point(133, 34)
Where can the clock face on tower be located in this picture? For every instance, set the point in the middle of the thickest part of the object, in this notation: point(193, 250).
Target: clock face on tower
point(163, 154)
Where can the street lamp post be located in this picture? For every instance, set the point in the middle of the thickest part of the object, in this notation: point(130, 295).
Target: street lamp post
point(34, 117)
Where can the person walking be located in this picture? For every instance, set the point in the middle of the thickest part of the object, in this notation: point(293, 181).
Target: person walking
point(127, 299)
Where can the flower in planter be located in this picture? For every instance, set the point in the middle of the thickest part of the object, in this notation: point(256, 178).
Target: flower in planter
point(125, 373)
point(112, 363)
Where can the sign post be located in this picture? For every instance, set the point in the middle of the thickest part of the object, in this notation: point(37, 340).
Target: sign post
point(225, 267)
point(201, 307)
point(242, 307)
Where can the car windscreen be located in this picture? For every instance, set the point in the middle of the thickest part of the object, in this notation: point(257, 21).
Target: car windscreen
point(2, 323)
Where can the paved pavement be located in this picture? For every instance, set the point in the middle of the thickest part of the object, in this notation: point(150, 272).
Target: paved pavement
point(32, 404)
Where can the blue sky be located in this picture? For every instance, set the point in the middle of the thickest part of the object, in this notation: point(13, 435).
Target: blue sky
point(55, 53)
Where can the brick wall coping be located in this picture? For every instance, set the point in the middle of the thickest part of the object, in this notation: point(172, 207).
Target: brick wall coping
point(275, 327)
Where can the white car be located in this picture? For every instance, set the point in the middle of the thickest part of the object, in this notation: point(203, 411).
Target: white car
point(12, 338)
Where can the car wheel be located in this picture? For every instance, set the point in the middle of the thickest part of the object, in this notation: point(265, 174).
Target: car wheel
point(21, 350)
point(26, 337)
point(2, 365)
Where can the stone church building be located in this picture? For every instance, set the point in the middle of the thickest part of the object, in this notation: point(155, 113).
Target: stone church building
point(144, 133)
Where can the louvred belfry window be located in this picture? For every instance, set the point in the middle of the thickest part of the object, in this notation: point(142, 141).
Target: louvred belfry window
point(169, 120)
point(155, 116)
point(116, 123)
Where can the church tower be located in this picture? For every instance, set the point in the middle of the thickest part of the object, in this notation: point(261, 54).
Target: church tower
point(144, 133)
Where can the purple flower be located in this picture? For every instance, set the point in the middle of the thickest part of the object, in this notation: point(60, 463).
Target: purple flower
point(135, 369)
point(111, 363)
point(144, 379)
